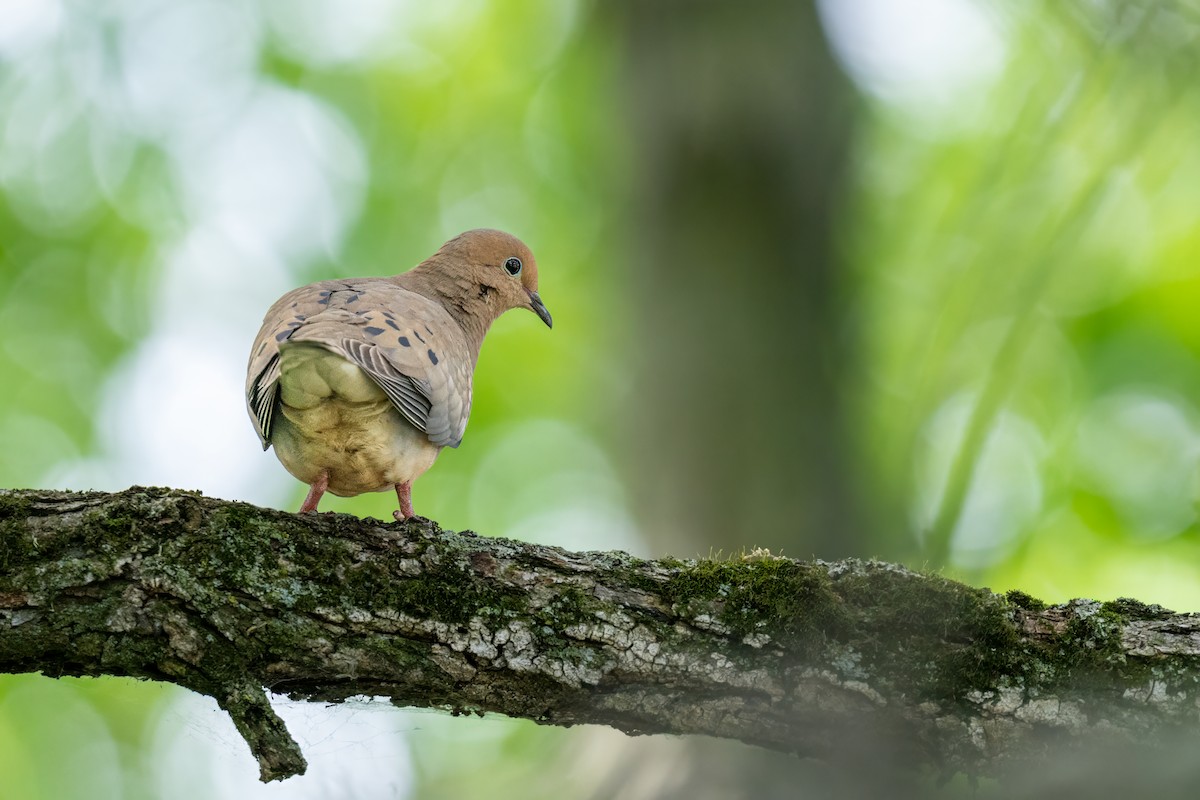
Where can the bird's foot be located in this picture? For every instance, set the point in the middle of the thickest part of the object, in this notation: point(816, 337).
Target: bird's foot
point(404, 495)
point(314, 493)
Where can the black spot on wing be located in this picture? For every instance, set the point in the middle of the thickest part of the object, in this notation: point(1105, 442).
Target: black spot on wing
point(428, 331)
point(291, 328)
point(403, 340)
point(418, 335)
point(433, 357)
point(324, 298)
point(371, 329)
point(393, 325)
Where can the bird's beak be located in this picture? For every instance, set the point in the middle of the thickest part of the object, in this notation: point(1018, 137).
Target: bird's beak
point(539, 308)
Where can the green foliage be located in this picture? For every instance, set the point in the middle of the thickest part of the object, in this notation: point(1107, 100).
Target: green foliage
point(1026, 270)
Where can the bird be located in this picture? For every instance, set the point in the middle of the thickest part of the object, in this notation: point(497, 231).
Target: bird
point(359, 383)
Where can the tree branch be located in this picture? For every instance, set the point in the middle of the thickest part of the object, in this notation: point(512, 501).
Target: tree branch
point(804, 657)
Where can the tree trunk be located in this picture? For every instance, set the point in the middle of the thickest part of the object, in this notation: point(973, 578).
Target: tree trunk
point(739, 347)
point(810, 658)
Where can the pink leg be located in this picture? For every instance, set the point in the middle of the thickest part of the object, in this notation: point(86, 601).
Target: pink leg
point(404, 492)
point(314, 493)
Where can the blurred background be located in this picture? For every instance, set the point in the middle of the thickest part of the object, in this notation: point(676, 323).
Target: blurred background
point(912, 279)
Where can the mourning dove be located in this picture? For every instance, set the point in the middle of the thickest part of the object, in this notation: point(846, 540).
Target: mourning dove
point(360, 383)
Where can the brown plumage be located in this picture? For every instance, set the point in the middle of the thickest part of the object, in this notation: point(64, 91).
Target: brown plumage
point(360, 383)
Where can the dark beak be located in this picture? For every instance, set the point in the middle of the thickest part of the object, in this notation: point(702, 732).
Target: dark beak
point(539, 308)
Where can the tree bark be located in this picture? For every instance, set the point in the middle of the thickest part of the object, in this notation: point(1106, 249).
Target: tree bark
point(810, 658)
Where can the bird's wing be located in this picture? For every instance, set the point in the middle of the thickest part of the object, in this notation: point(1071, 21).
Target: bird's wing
point(405, 342)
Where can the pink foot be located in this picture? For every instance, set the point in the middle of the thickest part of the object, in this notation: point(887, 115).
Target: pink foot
point(314, 493)
point(404, 493)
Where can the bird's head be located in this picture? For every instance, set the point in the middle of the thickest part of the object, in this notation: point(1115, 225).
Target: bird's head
point(497, 268)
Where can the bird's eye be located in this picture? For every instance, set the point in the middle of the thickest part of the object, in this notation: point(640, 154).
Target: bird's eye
point(513, 266)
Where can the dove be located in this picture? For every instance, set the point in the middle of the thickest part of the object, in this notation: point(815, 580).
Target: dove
point(359, 383)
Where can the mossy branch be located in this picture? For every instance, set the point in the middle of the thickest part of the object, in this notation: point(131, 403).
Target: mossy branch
point(805, 657)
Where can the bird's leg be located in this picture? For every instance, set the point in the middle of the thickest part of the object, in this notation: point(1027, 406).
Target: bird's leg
point(404, 492)
point(314, 493)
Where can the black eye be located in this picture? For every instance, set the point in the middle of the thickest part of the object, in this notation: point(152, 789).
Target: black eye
point(513, 266)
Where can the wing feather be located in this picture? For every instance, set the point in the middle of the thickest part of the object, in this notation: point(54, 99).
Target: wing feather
point(395, 336)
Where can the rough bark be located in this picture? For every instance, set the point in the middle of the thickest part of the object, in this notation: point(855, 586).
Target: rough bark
point(804, 657)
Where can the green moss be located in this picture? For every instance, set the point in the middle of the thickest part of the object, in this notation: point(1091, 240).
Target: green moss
point(929, 635)
point(447, 591)
point(13, 506)
point(1024, 601)
point(785, 599)
point(109, 533)
point(16, 546)
point(1132, 609)
point(571, 606)
point(1088, 653)
point(636, 574)
point(250, 548)
point(244, 547)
